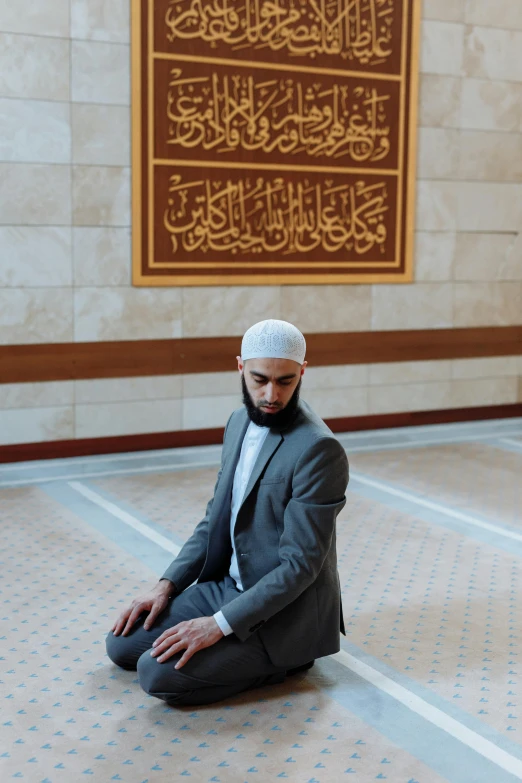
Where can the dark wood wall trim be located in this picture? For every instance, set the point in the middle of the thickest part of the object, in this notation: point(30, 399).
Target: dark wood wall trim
point(81, 361)
point(87, 447)
point(126, 443)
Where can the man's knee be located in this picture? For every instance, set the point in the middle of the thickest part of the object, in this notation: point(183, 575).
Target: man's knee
point(179, 688)
point(120, 652)
point(160, 679)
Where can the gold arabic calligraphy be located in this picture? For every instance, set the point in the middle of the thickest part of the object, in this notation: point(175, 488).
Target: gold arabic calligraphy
point(356, 30)
point(258, 215)
point(225, 113)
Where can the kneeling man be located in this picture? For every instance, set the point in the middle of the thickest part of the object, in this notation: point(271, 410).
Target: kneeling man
point(253, 595)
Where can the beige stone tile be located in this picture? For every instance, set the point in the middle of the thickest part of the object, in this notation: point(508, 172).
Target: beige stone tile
point(35, 256)
point(200, 413)
point(102, 256)
point(439, 153)
point(127, 314)
point(327, 308)
point(491, 106)
point(46, 17)
point(403, 398)
point(488, 206)
point(208, 384)
point(437, 205)
point(513, 259)
point(98, 20)
point(494, 157)
point(101, 196)
point(338, 403)
point(214, 311)
point(158, 387)
point(442, 48)
point(417, 306)
point(127, 418)
point(487, 257)
point(488, 304)
point(493, 54)
point(434, 256)
point(35, 315)
point(36, 395)
point(486, 391)
point(34, 67)
point(439, 101)
point(444, 10)
point(36, 425)
point(34, 131)
point(495, 13)
point(100, 73)
point(100, 135)
point(34, 194)
point(409, 372)
point(335, 377)
point(490, 367)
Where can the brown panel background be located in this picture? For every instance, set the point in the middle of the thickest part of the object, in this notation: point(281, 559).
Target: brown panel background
point(264, 193)
point(198, 75)
point(172, 17)
point(81, 361)
point(366, 101)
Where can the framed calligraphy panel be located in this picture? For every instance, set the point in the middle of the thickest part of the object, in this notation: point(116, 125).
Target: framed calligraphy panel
point(274, 141)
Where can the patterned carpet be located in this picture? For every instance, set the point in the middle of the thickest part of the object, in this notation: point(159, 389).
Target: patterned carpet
point(426, 688)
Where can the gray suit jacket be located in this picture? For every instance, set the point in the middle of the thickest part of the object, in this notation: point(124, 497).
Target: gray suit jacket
point(284, 537)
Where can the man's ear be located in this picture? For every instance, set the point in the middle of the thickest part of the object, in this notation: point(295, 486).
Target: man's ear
point(240, 365)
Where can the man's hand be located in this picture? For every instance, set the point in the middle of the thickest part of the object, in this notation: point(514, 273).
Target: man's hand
point(191, 636)
point(154, 602)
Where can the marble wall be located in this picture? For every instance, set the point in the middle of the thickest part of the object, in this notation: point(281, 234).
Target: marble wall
point(65, 245)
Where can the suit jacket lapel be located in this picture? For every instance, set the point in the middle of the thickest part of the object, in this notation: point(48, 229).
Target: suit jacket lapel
point(272, 442)
point(222, 503)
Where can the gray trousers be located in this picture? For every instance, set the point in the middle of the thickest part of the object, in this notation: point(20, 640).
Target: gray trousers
point(215, 673)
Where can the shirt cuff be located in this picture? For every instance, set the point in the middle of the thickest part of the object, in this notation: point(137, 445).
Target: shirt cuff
point(219, 617)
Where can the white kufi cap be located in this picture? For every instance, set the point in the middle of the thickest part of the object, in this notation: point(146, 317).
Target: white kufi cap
point(273, 339)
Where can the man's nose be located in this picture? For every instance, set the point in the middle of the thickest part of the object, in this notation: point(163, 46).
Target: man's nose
point(271, 393)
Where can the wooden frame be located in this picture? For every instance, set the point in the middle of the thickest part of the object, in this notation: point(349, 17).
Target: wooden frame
point(154, 261)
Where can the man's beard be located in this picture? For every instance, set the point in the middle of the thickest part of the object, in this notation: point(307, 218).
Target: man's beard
point(280, 420)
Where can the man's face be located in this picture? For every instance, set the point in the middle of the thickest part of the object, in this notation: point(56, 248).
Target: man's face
point(271, 382)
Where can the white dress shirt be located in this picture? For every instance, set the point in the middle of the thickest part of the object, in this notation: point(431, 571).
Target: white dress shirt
point(252, 443)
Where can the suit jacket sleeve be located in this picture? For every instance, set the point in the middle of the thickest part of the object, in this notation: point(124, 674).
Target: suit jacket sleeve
point(187, 566)
point(319, 485)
